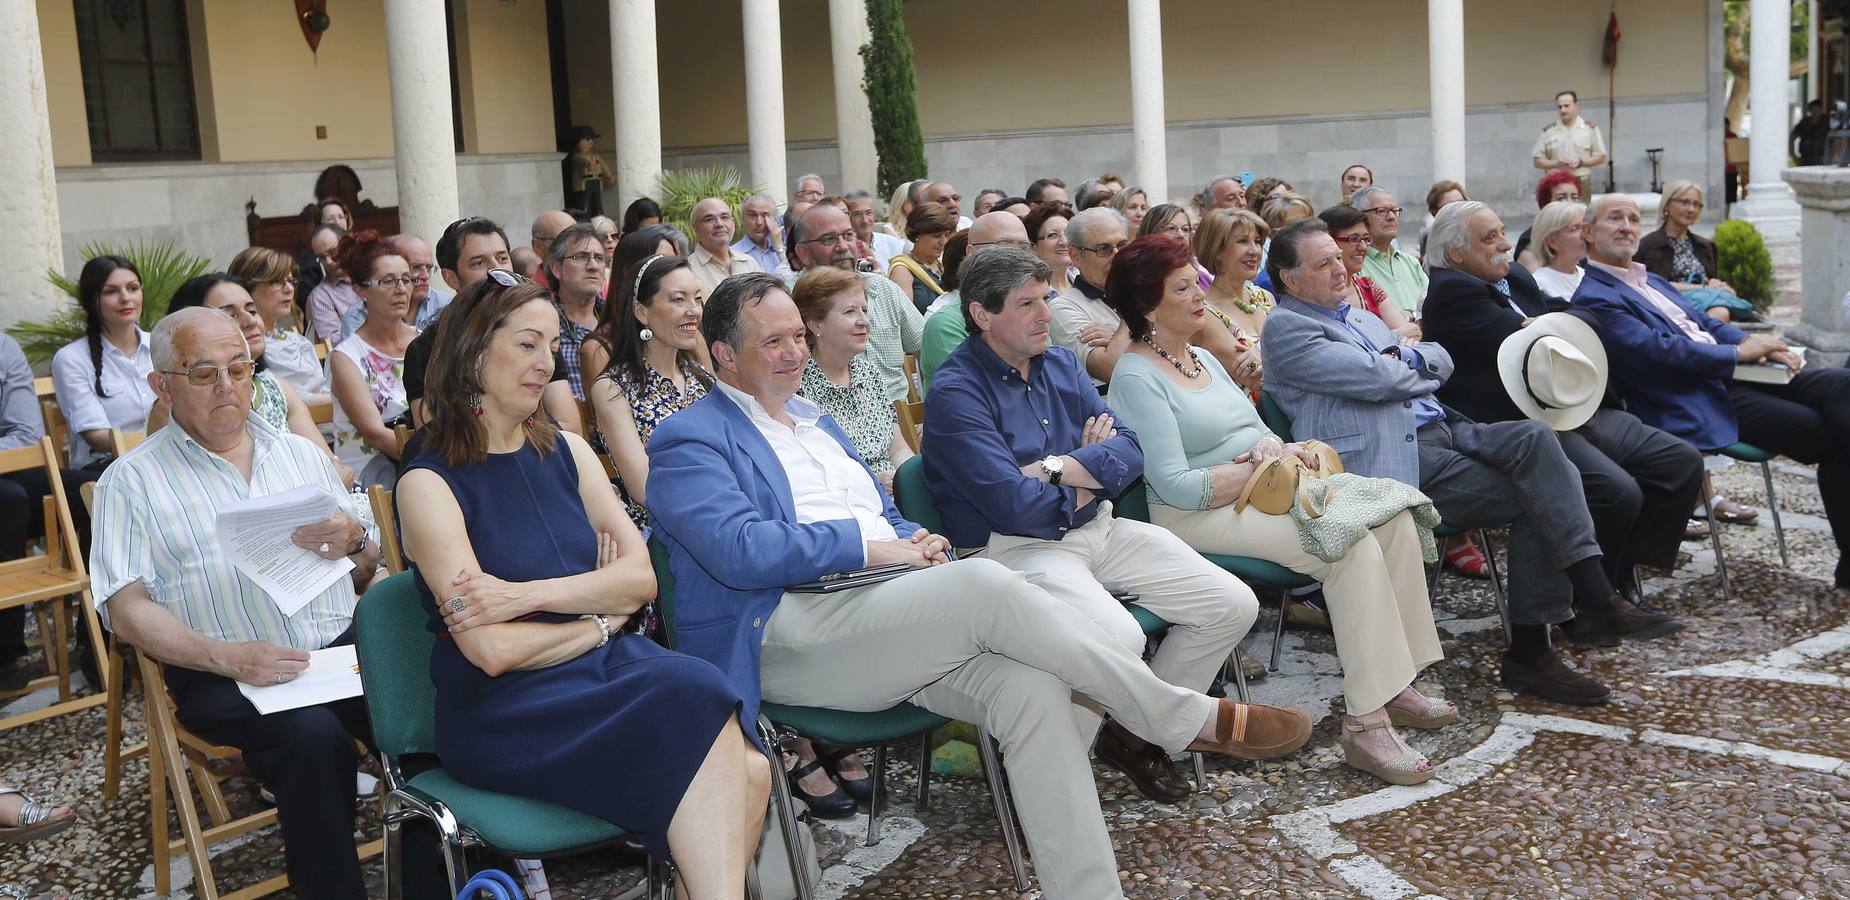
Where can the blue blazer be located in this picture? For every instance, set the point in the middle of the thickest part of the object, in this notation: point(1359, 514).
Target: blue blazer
point(721, 503)
point(1665, 378)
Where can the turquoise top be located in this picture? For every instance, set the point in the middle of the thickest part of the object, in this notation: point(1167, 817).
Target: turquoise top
point(1183, 431)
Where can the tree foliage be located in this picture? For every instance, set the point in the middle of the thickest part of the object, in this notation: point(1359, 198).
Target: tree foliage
point(892, 95)
point(163, 269)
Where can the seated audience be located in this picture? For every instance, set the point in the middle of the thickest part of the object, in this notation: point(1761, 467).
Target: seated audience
point(1133, 202)
point(1555, 187)
point(1202, 441)
point(1396, 272)
point(1177, 222)
point(1639, 482)
point(270, 275)
point(1442, 193)
point(1229, 244)
point(755, 490)
point(1093, 192)
point(546, 227)
point(1043, 191)
point(641, 213)
point(1019, 207)
point(1355, 178)
point(839, 378)
point(713, 258)
point(368, 368)
point(272, 399)
point(1560, 247)
point(1083, 322)
point(1674, 368)
point(330, 298)
point(808, 189)
point(334, 212)
point(917, 271)
point(577, 268)
point(955, 250)
point(985, 201)
point(427, 300)
point(883, 246)
point(946, 330)
point(538, 682)
point(1047, 232)
point(1349, 226)
point(1686, 259)
point(1265, 190)
point(761, 240)
point(823, 237)
point(1278, 212)
point(650, 370)
point(101, 379)
point(526, 264)
point(945, 194)
point(1343, 377)
point(1221, 192)
point(181, 601)
point(898, 207)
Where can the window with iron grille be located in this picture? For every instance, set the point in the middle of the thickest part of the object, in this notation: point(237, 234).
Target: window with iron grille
point(138, 80)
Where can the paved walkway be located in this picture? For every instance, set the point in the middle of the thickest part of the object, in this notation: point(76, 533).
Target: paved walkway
point(1720, 769)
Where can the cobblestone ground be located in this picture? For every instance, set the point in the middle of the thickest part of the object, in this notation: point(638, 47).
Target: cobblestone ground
point(1720, 770)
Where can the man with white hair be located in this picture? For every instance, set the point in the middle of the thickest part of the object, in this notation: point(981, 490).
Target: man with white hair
point(1082, 321)
point(1394, 271)
point(761, 240)
point(862, 217)
point(945, 327)
point(714, 259)
point(1675, 368)
point(1640, 482)
point(546, 227)
point(1223, 192)
point(808, 188)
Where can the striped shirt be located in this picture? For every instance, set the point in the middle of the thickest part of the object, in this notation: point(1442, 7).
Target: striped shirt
point(156, 523)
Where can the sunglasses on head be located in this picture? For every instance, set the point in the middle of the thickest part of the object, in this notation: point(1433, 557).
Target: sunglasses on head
point(507, 279)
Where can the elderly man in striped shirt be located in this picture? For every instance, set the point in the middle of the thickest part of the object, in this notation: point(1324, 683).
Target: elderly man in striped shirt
point(165, 585)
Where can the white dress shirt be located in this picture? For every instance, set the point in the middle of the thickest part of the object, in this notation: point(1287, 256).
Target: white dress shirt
point(1557, 284)
point(125, 381)
point(825, 482)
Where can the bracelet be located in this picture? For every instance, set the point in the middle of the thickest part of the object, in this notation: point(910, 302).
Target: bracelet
point(603, 624)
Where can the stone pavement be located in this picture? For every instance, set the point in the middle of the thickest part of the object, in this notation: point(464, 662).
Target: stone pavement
point(1720, 769)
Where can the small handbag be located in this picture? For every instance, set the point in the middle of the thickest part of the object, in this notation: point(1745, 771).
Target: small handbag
point(496, 883)
point(771, 867)
point(1283, 481)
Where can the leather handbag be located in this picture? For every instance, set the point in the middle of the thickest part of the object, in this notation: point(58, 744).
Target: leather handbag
point(1284, 481)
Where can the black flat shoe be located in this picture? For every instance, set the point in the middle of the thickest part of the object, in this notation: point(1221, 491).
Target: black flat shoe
point(836, 804)
point(830, 755)
point(1550, 679)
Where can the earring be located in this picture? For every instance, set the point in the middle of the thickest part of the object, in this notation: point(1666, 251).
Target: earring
point(475, 405)
point(646, 335)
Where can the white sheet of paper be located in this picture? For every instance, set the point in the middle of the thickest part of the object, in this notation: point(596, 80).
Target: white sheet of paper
point(332, 674)
point(255, 535)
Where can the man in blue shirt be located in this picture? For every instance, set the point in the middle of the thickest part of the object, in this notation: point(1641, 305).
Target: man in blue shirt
point(761, 241)
point(1344, 378)
point(1022, 456)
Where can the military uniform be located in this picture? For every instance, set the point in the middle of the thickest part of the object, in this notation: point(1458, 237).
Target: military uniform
point(1580, 140)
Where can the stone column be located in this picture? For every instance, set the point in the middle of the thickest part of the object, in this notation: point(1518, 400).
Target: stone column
point(764, 96)
point(28, 184)
point(1149, 140)
point(1769, 204)
point(1813, 79)
point(854, 125)
point(638, 137)
point(1823, 192)
point(423, 134)
point(1445, 56)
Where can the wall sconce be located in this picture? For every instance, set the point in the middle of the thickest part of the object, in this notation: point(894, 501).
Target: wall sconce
point(312, 15)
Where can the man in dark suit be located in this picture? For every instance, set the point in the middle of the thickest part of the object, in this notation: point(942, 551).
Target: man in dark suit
point(1640, 481)
point(1674, 367)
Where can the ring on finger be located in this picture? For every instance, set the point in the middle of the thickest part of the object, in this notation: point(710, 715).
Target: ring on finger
point(456, 605)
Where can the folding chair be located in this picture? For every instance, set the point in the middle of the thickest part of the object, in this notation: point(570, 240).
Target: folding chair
point(1749, 453)
point(53, 578)
point(394, 650)
point(57, 429)
point(385, 515)
point(322, 412)
point(114, 754)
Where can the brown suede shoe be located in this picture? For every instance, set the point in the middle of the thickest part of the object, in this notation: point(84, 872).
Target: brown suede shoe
point(1147, 766)
point(1256, 731)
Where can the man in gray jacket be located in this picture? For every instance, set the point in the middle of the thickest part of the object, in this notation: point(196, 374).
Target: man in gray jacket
point(1345, 379)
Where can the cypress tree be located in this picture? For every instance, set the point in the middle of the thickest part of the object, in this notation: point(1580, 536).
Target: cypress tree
point(892, 95)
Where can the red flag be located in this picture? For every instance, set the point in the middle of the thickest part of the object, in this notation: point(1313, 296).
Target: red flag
point(1609, 50)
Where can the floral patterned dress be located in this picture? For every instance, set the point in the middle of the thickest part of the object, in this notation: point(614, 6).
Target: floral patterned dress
point(861, 409)
point(1258, 299)
point(268, 402)
point(652, 401)
point(385, 384)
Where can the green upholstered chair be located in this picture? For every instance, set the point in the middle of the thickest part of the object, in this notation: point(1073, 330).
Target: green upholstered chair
point(394, 652)
point(857, 730)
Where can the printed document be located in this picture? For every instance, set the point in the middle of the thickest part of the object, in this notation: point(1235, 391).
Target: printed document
point(332, 674)
point(255, 535)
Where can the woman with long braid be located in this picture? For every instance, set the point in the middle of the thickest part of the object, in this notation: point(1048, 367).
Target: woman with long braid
point(102, 377)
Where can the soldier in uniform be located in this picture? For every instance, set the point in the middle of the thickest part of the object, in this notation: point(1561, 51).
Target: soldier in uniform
point(1572, 143)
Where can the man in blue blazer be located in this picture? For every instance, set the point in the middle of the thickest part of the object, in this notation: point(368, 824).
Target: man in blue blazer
point(1674, 367)
point(1345, 379)
point(754, 490)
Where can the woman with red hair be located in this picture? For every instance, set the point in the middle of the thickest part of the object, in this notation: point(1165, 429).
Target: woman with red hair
point(1203, 440)
point(367, 369)
point(1559, 186)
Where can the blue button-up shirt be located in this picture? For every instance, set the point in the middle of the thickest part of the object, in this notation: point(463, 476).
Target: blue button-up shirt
point(434, 302)
point(983, 422)
point(766, 257)
point(1426, 410)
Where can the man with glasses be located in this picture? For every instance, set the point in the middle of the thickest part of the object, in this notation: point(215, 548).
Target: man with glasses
point(577, 264)
point(427, 300)
point(714, 259)
point(822, 236)
point(1398, 273)
point(809, 188)
point(862, 217)
point(761, 241)
point(945, 327)
point(945, 194)
point(182, 601)
point(1082, 321)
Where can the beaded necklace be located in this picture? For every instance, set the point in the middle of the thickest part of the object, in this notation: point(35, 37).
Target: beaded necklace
point(1186, 372)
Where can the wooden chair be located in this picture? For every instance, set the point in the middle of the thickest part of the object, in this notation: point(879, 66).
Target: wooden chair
point(57, 429)
point(53, 578)
point(911, 421)
point(322, 413)
point(322, 349)
point(115, 756)
point(402, 435)
point(385, 515)
point(173, 750)
point(915, 385)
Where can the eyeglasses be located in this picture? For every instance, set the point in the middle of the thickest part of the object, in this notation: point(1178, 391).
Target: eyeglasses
point(1019, 245)
point(239, 371)
point(1102, 250)
point(811, 196)
point(840, 237)
point(1685, 201)
point(390, 282)
point(587, 258)
point(425, 269)
point(507, 279)
point(1354, 240)
point(1383, 211)
point(1183, 230)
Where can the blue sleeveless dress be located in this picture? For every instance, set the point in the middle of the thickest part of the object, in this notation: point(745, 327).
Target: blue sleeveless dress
point(617, 733)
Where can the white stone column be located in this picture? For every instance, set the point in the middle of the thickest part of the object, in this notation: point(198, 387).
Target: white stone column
point(1813, 79)
point(764, 96)
point(1445, 56)
point(1149, 139)
point(28, 184)
point(854, 125)
point(1824, 194)
point(423, 134)
point(638, 99)
point(1769, 203)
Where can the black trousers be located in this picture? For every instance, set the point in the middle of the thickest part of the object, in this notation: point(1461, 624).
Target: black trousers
point(307, 760)
point(1640, 482)
point(1808, 420)
point(22, 518)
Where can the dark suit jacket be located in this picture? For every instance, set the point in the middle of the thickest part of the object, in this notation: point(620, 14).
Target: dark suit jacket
point(1469, 317)
point(1666, 379)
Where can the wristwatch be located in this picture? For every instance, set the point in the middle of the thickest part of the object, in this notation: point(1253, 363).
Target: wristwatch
point(359, 546)
point(1051, 467)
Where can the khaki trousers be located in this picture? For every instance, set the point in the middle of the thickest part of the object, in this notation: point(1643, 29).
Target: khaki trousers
point(974, 641)
point(1379, 609)
point(1209, 610)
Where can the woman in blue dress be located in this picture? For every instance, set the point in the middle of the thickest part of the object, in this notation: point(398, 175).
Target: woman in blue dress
point(529, 568)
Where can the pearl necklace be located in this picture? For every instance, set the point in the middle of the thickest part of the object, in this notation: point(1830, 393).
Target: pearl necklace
point(1186, 372)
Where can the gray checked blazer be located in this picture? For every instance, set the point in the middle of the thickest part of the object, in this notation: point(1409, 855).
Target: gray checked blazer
point(1342, 393)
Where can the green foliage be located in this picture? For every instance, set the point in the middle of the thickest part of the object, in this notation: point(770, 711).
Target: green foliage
point(892, 95)
point(1742, 257)
point(163, 269)
point(682, 188)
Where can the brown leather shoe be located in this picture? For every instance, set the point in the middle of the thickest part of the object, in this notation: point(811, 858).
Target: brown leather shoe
point(1255, 731)
point(1147, 766)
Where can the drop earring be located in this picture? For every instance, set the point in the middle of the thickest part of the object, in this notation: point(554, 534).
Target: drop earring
point(646, 335)
point(475, 405)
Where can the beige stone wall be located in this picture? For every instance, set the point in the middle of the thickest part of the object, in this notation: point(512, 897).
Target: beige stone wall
point(504, 77)
point(64, 84)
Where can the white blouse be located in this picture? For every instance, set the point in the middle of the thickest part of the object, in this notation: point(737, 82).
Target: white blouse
point(126, 395)
point(1557, 284)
